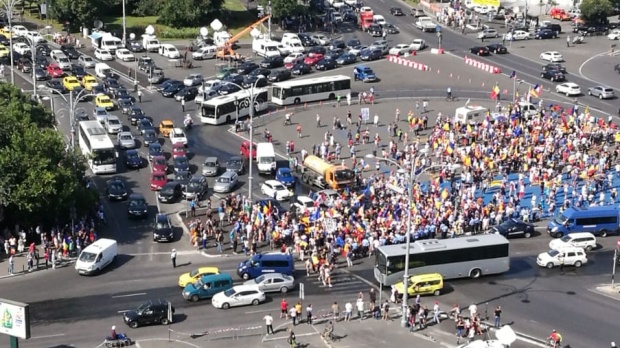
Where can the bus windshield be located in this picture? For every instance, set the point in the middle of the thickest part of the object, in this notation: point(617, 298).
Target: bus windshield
point(561, 219)
point(208, 111)
point(106, 156)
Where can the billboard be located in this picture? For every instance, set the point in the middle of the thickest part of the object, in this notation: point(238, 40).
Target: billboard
point(485, 3)
point(14, 319)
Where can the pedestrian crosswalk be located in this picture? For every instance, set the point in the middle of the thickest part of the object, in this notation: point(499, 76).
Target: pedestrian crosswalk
point(342, 281)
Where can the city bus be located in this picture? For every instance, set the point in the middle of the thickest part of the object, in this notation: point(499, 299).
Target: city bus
point(97, 147)
point(469, 256)
point(309, 90)
point(226, 108)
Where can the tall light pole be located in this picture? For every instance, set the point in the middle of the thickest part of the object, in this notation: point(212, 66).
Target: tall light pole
point(269, 20)
point(73, 103)
point(124, 25)
point(9, 5)
point(33, 52)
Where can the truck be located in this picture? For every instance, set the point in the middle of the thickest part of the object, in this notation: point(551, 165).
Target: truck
point(150, 43)
point(325, 175)
point(425, 23)
point(365, 19)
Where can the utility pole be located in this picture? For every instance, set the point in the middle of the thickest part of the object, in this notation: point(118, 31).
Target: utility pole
point(124, 24)
point(269, 20)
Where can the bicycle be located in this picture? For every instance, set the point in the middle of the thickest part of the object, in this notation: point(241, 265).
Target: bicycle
point(452, 98)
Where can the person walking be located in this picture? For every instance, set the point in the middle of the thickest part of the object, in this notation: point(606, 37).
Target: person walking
point(348, 311)
point(293, 315)
point(318, 121)
point(567, 41)
point(283, 308)
point(173, 258)
point(309, 314)
point(183, 104)
point(360, 308)
point(269, 323)
point(436, 312)
point(562, 265)
point(336, 311)
point(386, 310)
point(139, 96)
point(29, 260)
point(498, 313)
point(11, 264)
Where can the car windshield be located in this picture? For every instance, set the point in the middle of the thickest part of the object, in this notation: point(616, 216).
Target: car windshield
point(285, 174)
point(223, 180)
point(159, 177)
point(194, 273)
point(113, 121)
point(132, 155)
point(194, 185)
point(105, 156)
point(180, 161)
point(566, 239)
point(116, 186)
point(279, 187)
point(87, 257)
point(259, 279)
point(137, 203)
point(229, 292)
point(553, 253)
point(266, 160)
point(344, 174)
point(126, 137)
point(161, 226)
point(508, 223)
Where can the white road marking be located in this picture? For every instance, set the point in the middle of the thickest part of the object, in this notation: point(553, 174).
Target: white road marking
point(130, 295)
point(46, 336)
point(123, 311)
point(286, 337)
point(262, 311)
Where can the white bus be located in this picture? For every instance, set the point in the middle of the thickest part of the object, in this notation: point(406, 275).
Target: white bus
point(470, 256)
point(97, 147)
point(309, 90)
point(224, 108)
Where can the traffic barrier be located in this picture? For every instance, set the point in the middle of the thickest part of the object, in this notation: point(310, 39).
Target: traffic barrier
point(408, 63)
point(483, 66)
point(436, 50)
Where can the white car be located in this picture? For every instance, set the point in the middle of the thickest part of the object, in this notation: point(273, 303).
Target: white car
point(54, 54)
point(552, 56)
point(21, 48)
point(20, 30)
point(126, 140)
point(574, 12)
point(568, 88)
point(357, 49)
point(295, 47)
point(614, 35)
point(34, 36)
point(570, 256)
point(207, 52)
point(86, 62)
point(275, 189)
point(103, 54)
point(417, 45)
point(209, 85)
point(518, 35)
point(320, 39)
point(337, 17)
point(399, 50)
point(305, 204)
point(240, 295)
point(125, 55)
point(379, 19)
point(294, 57)
point(178, 136)
point(63, 62)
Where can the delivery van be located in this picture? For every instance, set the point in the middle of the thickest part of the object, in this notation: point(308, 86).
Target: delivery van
point(266, 263)
point(102, 70)
point(95, 257)
point(265, 48)
point(111, 43)
point(600, 221)
point(265, 158)
point(207, 286)
point(469, 114)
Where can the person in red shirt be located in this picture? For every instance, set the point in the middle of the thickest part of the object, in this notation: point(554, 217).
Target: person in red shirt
point(284, 309)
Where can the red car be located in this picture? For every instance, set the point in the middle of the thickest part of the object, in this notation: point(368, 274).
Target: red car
point(159, 164)
point(289, 66)
point(245, 149)
point(158, 180)
point(314, 59)
point(178, 150)
point(55, 71)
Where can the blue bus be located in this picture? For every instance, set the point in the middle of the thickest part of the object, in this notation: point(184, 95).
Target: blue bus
point(599, 220)
point(266, 263)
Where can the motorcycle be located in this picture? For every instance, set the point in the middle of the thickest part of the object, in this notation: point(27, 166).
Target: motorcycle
point(121, 340)
point(188, 122)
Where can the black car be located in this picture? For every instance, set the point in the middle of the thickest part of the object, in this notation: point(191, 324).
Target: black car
point(196, 188)
point(149, 137)
point(480, 51)
point(134, 46)
point(137, 206)
point(183, 177)
point(353, 43)
point(41, 74)
point(180, 163)
point(256, 81)
point(346, 59)
point(371, 54)
point(375, 30)
point(56, 85)
point(146, 63)
point(396, 11)
point(349, 16)
point(497, 48)
point(81, 115)
point(337, 44)
point(41, 62)
point(514, 228)
point(70, 51)
point(148, 313)
point(246, 68)
point(116, 190)
point(24, 64)
point(228, 88)
point(234, 78)
point(272, 62)
point(170, 193)
point(123, 93)
point(133, 159)
point(545, 34)
point(172, 90)
point(260, 71)
point(325, 64)
point(279, 75)
point(333, 54)
point(111, 85)
point(236, 164)
point(162, 228)
point(135, 114)
point(301, 69)
point(553, 75)
point(556, 28)
point(155, 149)
point(187, 94)
point(124, 105)
point(43, 50)
point(555, 66)
point(391, 28)
point(167, 84)
point(78, 71)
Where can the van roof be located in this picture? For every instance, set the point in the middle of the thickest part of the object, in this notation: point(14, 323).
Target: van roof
point(100, 244)
point(278, 256)
point(216, 277)
point(591, 211)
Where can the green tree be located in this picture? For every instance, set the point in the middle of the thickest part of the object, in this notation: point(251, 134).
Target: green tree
point(282, 8)
point(39, 180)
point(189, 13)
point(596, 11)
point(145, 7)
point(76, 12)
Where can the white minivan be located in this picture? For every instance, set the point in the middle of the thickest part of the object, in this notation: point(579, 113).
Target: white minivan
point(572, 257)
point(95, 257)
point(585, 240)
point(265, 158)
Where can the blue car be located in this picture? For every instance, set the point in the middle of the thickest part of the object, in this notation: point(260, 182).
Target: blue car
point(284, 176)
point(545, 34)
point(133, 159)
point(364, 73)
point(371, 54)
point(155, 150)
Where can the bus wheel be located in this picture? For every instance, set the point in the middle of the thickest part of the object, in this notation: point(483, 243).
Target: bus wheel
point(227, 119)
point(332, 96)
point(297, 101)
point(604, 233)
point(475, 273)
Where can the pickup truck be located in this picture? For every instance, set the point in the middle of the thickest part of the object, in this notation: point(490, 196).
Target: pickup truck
point(425, 24)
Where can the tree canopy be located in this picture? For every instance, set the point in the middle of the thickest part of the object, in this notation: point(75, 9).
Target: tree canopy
point(77, 12)
point(596, 11)
point(189, 13)
point(40, 180)
point(282, 8)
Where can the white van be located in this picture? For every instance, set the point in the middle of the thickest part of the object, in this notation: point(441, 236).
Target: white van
point(585, 240)
point(97, 256)
point(528, 109)
point(102, 70)
point(469, 114)
point(206, 52)
point(169, 51)
point(265, 158)
point(572, 257)
point(150, 43)
point(111, 43)
point(265, 48)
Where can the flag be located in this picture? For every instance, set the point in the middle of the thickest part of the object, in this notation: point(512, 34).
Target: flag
point(536, 90)
point(444, 194)
point(495, 92)
point(513, 75)
point(467, 102)
point(316, 215)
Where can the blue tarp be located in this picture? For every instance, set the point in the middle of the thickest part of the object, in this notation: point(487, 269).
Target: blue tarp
point(95, 36)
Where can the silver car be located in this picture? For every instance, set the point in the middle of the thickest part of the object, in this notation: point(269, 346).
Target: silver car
point(273, 282)
point(126, 140)
point(226, 182)
point(193, 80)
point(113, 124)
point(601, 92)
point(211, 167)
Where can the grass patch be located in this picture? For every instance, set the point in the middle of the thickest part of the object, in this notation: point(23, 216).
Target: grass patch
point(412, 2)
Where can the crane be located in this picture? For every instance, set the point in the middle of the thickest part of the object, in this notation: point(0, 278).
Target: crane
point(226, 48)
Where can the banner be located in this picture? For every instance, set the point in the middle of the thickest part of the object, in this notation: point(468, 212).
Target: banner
point(494, 3)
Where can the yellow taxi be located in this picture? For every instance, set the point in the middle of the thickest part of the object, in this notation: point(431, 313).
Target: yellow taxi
point(89, 82)
point(4, 51)
point(193, 276)
point(165, 127)
point(103, 101)
point(422, 284)
point(6, 31)
point(70, 83)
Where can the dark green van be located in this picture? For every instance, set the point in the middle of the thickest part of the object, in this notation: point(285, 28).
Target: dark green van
point(207, 286)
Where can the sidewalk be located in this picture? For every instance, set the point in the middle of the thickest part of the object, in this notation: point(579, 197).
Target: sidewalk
point(21, 266)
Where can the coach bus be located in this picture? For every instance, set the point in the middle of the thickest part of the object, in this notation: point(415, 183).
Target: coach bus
point(97, 147)
point(226, 108)
point(310, 90)
point(469, 256)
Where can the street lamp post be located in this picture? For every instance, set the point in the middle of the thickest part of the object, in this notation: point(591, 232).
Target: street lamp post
point(9, 5)
point(33, 52)
point(73, 103)
point(124, 25)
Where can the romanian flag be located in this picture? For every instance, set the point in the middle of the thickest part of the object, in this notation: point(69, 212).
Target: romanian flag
point(445, 194)
point(495, 92)
point(536, 91)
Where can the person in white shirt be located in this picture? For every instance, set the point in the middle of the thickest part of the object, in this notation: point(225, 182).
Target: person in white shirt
point(360, 308)
point(269, 323)
point(293, 314)
point(348, 311)
point(473, 310)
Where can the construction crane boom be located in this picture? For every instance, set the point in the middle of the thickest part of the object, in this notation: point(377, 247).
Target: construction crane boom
point(226, 49)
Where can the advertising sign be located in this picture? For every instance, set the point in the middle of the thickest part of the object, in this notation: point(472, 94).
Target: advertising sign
point(14, 319)
point(486, 3)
